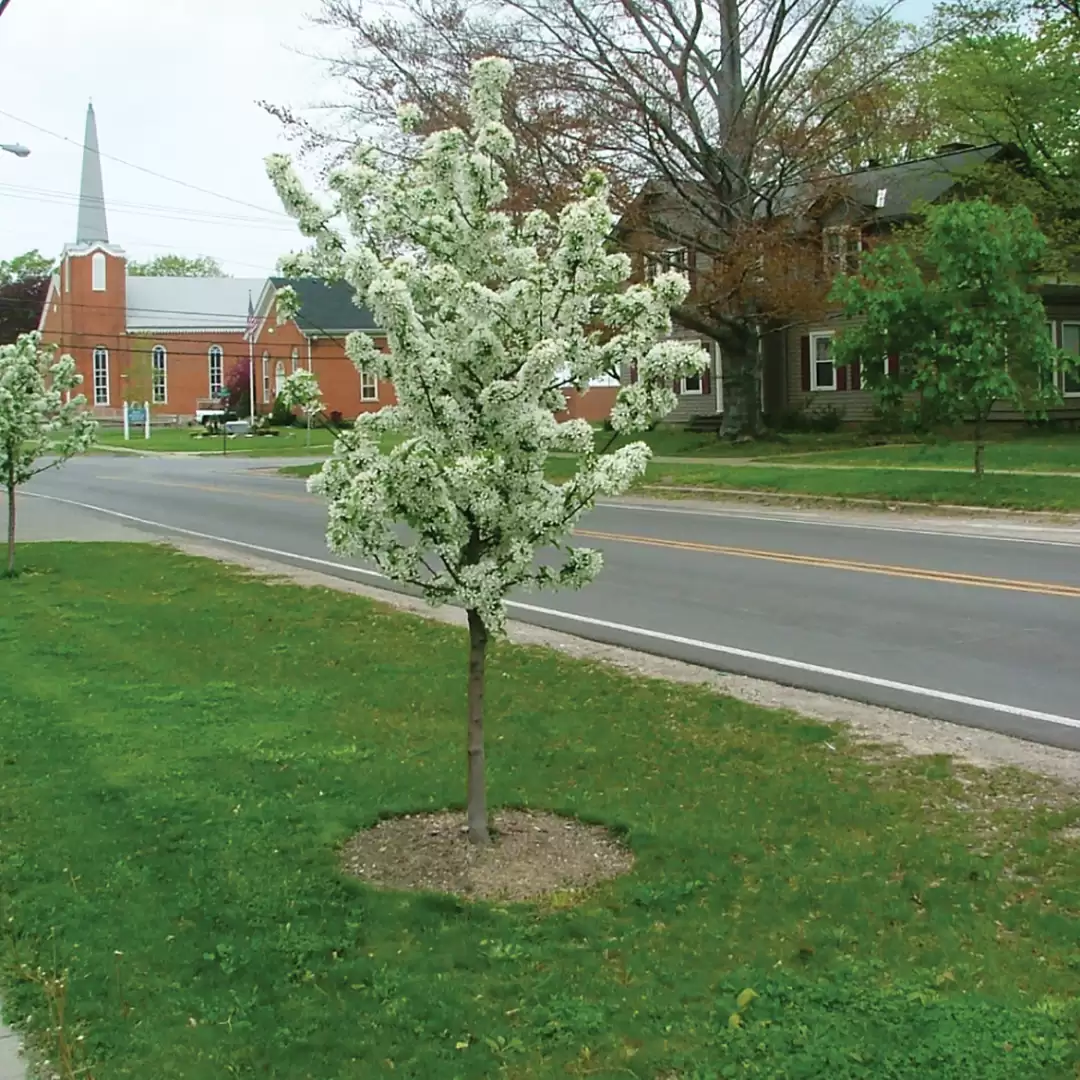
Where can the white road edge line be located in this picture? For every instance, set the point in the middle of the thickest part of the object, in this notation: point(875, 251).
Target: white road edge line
point(638, 631)
point(749, 515)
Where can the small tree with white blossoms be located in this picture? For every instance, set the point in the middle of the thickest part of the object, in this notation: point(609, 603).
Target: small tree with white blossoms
point(300, 390)
point(487, 317)
point(38, 417)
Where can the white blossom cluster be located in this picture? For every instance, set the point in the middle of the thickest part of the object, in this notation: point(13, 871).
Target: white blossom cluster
point(300, 390)
point(487, 318)
point(39, 417)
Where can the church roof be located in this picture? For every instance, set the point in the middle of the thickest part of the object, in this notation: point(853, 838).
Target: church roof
point(327, 309)
point(190, 303)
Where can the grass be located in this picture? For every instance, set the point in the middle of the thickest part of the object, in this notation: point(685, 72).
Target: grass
point(1055, 454)
point(185, 748)
point(1054, 493)
point(288, 441)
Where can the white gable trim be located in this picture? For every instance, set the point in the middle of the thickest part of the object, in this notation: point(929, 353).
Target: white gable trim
point(150, 331)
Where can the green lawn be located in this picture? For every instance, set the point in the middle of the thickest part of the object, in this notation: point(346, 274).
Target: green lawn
point(676, 441)
point(184, 748)
point(288, 441)
point(1059, 493)
point(1055, 454)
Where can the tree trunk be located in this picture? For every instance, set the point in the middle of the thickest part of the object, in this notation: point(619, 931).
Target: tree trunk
point(980, 445)
point(477, 789)
point(11, 529)
point(742, 396)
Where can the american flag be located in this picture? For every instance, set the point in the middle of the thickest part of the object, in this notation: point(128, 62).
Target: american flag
point(252, 322)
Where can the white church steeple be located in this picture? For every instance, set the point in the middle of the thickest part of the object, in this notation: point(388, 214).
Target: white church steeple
point(92, 226)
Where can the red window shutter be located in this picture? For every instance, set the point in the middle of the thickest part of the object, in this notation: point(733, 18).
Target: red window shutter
point(894, 365)
point(856, 375)
point(705, 381)
point(842, 378)
point(805, 343)
point(633, 373)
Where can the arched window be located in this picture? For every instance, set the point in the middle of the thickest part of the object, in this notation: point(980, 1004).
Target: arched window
point(279, 377)
point(266, 377)
point(97, 271)
point(159, 375)
point(217, 369)
point(295, 359)
point(101, 375)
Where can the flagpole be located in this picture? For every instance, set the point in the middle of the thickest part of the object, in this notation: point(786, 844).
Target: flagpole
point(251, 366)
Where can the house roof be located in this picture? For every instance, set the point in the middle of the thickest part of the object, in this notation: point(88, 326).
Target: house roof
point(327, 309)
point(190, 303)
point(906, 184)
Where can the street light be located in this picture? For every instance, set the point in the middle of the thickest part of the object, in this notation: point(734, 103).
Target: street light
point(16, 148)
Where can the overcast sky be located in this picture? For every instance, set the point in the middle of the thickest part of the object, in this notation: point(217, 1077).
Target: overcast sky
point(174, 86)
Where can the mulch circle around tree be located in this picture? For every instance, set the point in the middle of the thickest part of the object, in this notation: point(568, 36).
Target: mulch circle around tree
point(530, 855)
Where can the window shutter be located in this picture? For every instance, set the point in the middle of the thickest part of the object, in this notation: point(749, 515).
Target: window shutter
point(705, 381)
point(894, 365)
point(677, 386)
point(856, 375)
point(633, 373)
point(842, 378)
point(805, 343)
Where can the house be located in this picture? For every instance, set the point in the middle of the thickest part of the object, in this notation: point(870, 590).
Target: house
point(846, 214)
point(172, 341)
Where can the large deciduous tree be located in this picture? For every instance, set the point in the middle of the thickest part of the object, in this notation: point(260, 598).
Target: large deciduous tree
point(39, 418)
point(733, 105)
point(177, 266)
point(957, 303)
point(488, 314)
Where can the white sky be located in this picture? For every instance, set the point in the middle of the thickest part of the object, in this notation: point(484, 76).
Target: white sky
point(174, 86)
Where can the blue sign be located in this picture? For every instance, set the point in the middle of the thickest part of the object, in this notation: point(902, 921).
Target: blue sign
point(136, 414)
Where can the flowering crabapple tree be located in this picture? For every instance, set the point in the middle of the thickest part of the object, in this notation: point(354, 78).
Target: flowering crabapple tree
point(38, 418)
point(301, 391)
point(488, 316)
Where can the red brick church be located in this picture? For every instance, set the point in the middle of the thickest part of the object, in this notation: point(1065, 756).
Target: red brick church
point(172, 341)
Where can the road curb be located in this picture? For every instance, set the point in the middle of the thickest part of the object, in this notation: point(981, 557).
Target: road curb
point(757, 494)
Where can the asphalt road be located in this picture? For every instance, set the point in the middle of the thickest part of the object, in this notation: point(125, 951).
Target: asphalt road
point(976, 622)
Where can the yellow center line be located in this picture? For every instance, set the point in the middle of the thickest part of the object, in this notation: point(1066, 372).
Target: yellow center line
point(1042, 588)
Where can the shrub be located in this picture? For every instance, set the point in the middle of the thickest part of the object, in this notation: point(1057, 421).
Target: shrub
point(281, 415)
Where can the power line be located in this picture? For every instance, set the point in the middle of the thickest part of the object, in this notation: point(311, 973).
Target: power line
point(142, 168)
point(164, 214)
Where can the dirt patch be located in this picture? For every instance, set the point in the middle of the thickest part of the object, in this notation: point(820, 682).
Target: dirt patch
point(531, 855)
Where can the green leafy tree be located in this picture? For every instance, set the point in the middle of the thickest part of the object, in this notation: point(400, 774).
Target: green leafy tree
point(177, 266)
point(30, 265)
point(957, 303)
point(39, 418)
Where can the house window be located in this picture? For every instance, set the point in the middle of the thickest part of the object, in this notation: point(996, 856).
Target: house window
point(265, 377)
point(279, 377)
point(97, 272)
point(101, 375)
point(692, 384)
point(159, 376)
point(369, 386)
point(660, 262)
point(217, 366)
point(841, 247)
point(822, 369)
point(295, 359)
point(1070, 343)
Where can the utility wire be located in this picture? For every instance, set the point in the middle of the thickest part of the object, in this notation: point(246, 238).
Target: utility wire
point(141, 168)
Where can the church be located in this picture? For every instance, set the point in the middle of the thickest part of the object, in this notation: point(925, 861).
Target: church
point(173, 341)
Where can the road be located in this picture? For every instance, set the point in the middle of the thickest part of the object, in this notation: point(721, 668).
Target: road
point(974, 622)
